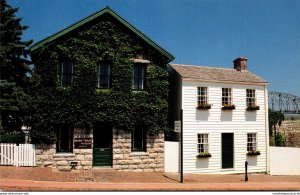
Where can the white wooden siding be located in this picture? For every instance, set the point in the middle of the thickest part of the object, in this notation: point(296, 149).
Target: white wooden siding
point(215, 122)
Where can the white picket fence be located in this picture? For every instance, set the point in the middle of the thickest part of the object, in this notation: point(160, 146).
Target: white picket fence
point(17, 155)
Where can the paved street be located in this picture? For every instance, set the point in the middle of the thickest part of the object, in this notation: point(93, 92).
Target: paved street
point(45, 179)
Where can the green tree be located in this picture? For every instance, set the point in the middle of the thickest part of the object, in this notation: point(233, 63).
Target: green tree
point(275, 118)
point(14, 69)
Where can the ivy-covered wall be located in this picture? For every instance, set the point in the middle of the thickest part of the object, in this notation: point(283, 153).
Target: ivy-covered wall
point(82, 105)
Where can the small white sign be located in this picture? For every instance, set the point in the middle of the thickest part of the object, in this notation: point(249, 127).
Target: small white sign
point(177, 126)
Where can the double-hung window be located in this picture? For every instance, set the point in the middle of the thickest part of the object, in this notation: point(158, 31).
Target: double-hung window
point(64, 139)
point(251, 142)
point(104, 78)
point(138, 139)
point(202, 95)
point(250, 97)
point(203, 144)
point(66, 73)
point(139, 76)
point(226, 96)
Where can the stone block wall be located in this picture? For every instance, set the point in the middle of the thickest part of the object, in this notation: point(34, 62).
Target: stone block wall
point(123, 158)
point(46, 156)
point(126, 160)
point(291, 132)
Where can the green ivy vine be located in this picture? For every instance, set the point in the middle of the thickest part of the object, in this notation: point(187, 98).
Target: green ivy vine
point(82, 105)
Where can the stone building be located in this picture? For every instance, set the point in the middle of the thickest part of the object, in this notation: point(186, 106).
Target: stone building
point(127, 68)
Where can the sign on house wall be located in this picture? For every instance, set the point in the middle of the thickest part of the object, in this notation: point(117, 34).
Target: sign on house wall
point(83, 143)
point(177, 126)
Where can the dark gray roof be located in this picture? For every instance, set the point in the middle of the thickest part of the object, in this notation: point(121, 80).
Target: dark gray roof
point(212, 74)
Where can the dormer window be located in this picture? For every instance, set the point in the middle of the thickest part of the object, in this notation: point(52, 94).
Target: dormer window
point(104, 78)
point(66, 74)
point(139, 76)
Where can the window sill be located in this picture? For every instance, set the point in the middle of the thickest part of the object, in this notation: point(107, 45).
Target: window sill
point(64, 88)
point(204, 107)
point(253, 108)
point(139, 91)
point(138, 153)
point(99, 90)
point(63, 154)
point(253, 153)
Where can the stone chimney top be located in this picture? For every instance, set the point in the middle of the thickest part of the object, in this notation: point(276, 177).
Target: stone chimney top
point(240, 64)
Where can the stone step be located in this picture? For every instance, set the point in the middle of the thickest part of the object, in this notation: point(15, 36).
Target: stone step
point(103, 169)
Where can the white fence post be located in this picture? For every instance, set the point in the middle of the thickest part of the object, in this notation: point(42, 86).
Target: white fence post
point(16, 157)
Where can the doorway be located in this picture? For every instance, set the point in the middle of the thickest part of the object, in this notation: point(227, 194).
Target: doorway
point(227, 150)
point(102, 146)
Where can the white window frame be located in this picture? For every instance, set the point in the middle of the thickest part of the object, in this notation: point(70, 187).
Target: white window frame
point(250, 97)
point(228, 96)
point(252, 141)
point(202, 143)
point(199, 96)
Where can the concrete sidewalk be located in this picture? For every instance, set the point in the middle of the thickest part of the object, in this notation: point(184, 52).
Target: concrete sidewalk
point(45, 179)
point(26, 185)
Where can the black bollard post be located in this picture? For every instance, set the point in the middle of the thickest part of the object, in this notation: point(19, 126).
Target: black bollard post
point(246, 173)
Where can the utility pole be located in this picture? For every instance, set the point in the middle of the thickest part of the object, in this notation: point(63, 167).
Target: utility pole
point(181, 147)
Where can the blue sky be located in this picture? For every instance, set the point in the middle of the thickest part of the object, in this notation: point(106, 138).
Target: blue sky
point(197, 32)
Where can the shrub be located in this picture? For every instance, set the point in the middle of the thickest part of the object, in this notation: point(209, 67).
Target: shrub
point(203, 155)
point(228, 107)
point(14, 137)
point(252, 108)
point(204, 106)
point(279, 140)
point(253, 153)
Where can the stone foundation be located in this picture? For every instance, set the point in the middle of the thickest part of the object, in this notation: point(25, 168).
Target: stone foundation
point(123, 158)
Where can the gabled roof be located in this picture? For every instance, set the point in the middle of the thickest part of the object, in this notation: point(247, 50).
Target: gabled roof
point(94, 16)
point(211, 74)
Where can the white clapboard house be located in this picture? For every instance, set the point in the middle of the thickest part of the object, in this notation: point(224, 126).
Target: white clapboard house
point(225, 117)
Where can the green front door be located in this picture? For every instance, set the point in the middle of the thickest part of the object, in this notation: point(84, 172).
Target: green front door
point(102, 148)
point(227, 150)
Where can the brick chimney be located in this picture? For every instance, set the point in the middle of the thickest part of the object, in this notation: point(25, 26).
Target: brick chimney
point(240, 63)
